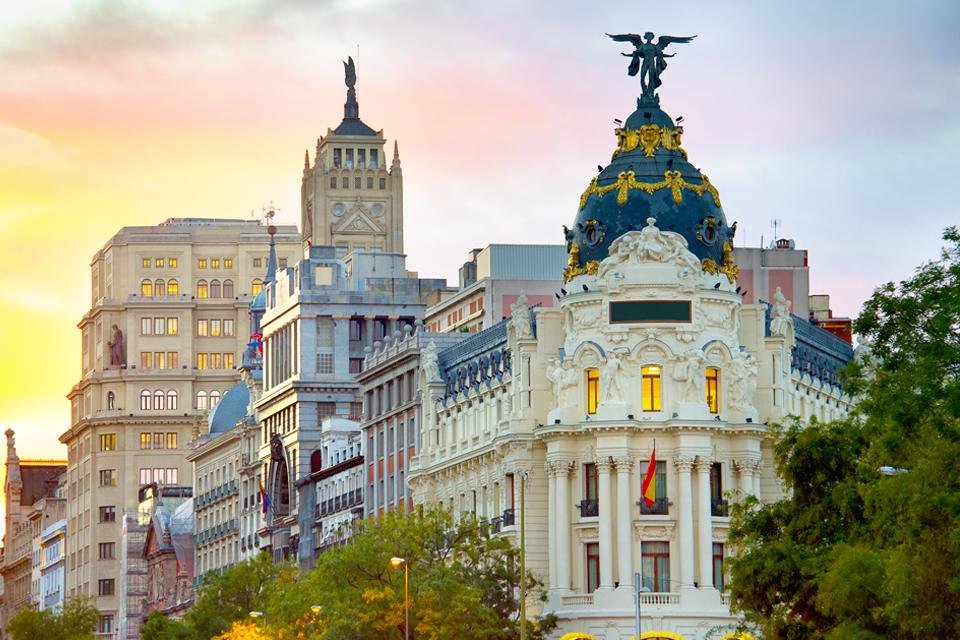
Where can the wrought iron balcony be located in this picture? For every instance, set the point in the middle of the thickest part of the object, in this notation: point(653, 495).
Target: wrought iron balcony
point(509, 517)
point(589, 508)
point(719, 508)
point(660, 507)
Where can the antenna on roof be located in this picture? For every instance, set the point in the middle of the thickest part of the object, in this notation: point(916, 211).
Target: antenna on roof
point(776, 223)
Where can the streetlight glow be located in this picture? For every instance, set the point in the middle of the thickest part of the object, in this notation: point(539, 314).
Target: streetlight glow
point(396, 563)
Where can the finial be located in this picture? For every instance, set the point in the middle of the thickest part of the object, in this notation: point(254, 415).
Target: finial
point(350, 109)
point(306, 159)
point(396, 151)
point(649, 60)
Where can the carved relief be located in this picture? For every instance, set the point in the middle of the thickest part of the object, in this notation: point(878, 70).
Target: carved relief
point(781, 324)
point(610, 382)
point(650, 245)
point(690, 372)
point(520, 318)
point(743, 381)
point(564, 376)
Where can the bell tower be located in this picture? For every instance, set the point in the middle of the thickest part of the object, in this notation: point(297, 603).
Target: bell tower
point(350, 197)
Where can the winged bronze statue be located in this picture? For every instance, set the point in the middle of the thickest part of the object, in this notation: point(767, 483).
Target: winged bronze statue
point(648, 59)
point(349, 73)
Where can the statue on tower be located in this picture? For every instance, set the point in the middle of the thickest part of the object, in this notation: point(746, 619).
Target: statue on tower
point(649, 60)
point(349, 73)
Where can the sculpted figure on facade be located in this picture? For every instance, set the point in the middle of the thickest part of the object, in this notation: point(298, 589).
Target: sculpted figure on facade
point(780, 321)
point(520, 318)
point(563, 375)
point(650, 245)
point(429, 363)
point(610, 382)
point(743, 381)
point(690, 372)
point(118, 350)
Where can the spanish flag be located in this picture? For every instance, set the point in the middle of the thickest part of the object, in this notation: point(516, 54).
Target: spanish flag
point(649, 486)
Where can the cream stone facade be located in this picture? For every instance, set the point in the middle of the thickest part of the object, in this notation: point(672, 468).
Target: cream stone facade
point(160, 345)
point(576, 397)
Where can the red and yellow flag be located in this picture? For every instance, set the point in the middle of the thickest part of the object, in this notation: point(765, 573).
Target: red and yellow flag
point(649, 486)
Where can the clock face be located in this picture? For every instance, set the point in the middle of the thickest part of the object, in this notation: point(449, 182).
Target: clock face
point(377, 209)
point(338, 208)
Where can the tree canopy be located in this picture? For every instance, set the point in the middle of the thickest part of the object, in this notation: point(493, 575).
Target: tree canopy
point(867, 542)
point(75, 621)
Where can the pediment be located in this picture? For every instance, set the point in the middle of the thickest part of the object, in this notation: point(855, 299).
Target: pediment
point(357, 220)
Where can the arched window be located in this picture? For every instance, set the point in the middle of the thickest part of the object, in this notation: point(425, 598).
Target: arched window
point(201, 400)
point(146, 400)
point(214, 288)
point(146, 288)
point(214, 398)
point(228, 288)
point(202, 291)
point(111, 400)
point(171, 399)
point(256, 287)
point(158, 402)
point(593, 390)
point(713, 389)
point(159, 287)
point(173, 287)
point(651, 388)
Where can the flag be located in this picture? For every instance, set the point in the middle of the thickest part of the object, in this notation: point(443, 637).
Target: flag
point(649, 486)
point(264, 497)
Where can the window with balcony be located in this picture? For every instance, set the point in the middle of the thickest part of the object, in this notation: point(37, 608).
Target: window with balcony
point(718, 506)
point(660, 505)
point(173, 287)
point(589, 506)
point(713, 389)
point(592, 550)
point(146, 288)
point(593, 390)
point(655, 566)
point(203, 289)
point(650, 388)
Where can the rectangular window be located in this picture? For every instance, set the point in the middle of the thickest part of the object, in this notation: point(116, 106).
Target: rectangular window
point(173, 326)
point(593, 390)
point(215, 328)
point(145, 476)
point(144, 440)
point(202, 263)
point(383, 183)
point(215, 263)
point(719, 580)
point(718, 506)
point(171, 476)
point(349, 157)
point(108, 478)
point(215, 362)
point(201, 361)
point(257, 263)
point(108, 442)
point(146, 360)
point(590, 481)
point(228, 327)
point(107, 550)
point(158, 263)
point(282, 262)
point(324, 363)
point(651, 388)
point(228, 263)
point(158, 441)
point(159, 326)
point(172, 263)
point(146, 326)
point(510, 491)
point(108, 514)
point(337, 158)
point(374, 158)
point(105, 587)
point(593, 565)
point(356, 185)
point(369, 182)
point(228, 361)
point(356, 365)
point(145, 263)
point(713, 389)
point(160, 360)
point(173, 359)
point(171, 440)
point(105, 624)
point(655, 566)
point(660, 506)
point(361, 158)
point(203, 327)
point(333, 182)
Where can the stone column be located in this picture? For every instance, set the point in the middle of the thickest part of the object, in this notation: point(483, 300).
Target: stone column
point(685, 507)
point(552, 515)
point(704, 521)
point(625, 521)
point(562, 524)
point(745, 469)
point(604, 494)
point(757, 464)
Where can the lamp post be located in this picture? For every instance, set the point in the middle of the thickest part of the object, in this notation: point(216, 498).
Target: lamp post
point(256, 614)
point(639, 589)
point(523, 556)
point(397, 562)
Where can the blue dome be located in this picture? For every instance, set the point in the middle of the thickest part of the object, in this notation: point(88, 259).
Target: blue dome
point(649, 177)
point(231, 409)
point(260, 301)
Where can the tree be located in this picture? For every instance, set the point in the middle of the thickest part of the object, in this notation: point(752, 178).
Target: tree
point(865, 544)
point(75, 621)
point(462, 580)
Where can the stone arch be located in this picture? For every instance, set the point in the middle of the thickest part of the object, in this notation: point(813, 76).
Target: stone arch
point(718, 346)
point(587, 348)
point(662, 348)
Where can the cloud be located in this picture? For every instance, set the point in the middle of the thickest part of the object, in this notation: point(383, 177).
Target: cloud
point(19, 148)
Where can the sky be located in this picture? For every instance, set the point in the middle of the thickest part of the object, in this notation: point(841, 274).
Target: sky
point(839, 119)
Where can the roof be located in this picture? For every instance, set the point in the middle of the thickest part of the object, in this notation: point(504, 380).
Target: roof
point(354, 127)
point(39, 479)
point(231, 409)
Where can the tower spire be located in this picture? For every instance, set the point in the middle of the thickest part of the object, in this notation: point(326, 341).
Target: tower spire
point(272, 255)
point(306, 158)
point(396, 155)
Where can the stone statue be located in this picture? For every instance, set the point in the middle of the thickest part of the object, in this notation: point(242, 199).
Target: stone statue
point(563, 376)
point(743, 381)
point(349, 73)
point(429, 362)
point(276, 448)
point(780, 321)
point(610, 383)
point(690, 371)
point(649, 60)
point(118, 350)
point(520, 318)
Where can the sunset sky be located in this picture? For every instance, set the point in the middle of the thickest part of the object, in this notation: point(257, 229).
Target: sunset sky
point(838, 118)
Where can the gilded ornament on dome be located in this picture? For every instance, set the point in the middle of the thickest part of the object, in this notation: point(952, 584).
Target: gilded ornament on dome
point(626, 180)
point(573, 267)
point(728, 268)
point(648, 137)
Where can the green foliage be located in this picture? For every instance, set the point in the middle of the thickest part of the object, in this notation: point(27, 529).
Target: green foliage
point(159, 627)
point(851, 553)
point(76, 621)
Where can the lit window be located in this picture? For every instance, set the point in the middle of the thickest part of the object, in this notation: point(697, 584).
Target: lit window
point(146, 288)
point(713, 389)
point(144, 440)
point(173, 359)
point(201, 361)
point(172, 263)
point(202, 263)
point(108, 478)
point(146, 400)
point(160, 360)
point(171, 399)
point(146, 360)
point(228, 327)
point(655, 566)
point(201, 400)
point(256, 287)
point(228, 361)
point(146, 326)
point(214, 288)
point(215, 263)
point(593, 390)
point(215, 328)
point(171, 441)
point(651, 388)
point(173, 288)
point(203, 327)
point(145, 263)
point(228, 288)
point(215, 361)
point(228, 263)
point(202, 290)
point(173, 326)
point(108, 442)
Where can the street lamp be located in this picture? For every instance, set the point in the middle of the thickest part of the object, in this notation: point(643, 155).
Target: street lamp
point(396, 563)
point(256, 614)
point(316, 609)
point(640, 589)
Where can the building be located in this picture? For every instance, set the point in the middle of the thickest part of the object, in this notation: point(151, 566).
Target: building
point(33, 504)
point(781, 265)
point(168, 551)
point(493, 279)
point(160, 345)
point(390, 383)
point(53, 573)
point(651, 356)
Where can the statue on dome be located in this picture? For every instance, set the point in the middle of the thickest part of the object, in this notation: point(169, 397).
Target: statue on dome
point(649, 60)
point(780, 320)
point(349, 73)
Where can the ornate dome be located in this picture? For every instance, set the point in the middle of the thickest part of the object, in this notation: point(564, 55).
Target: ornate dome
point(231, 409)
point(649, 177)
